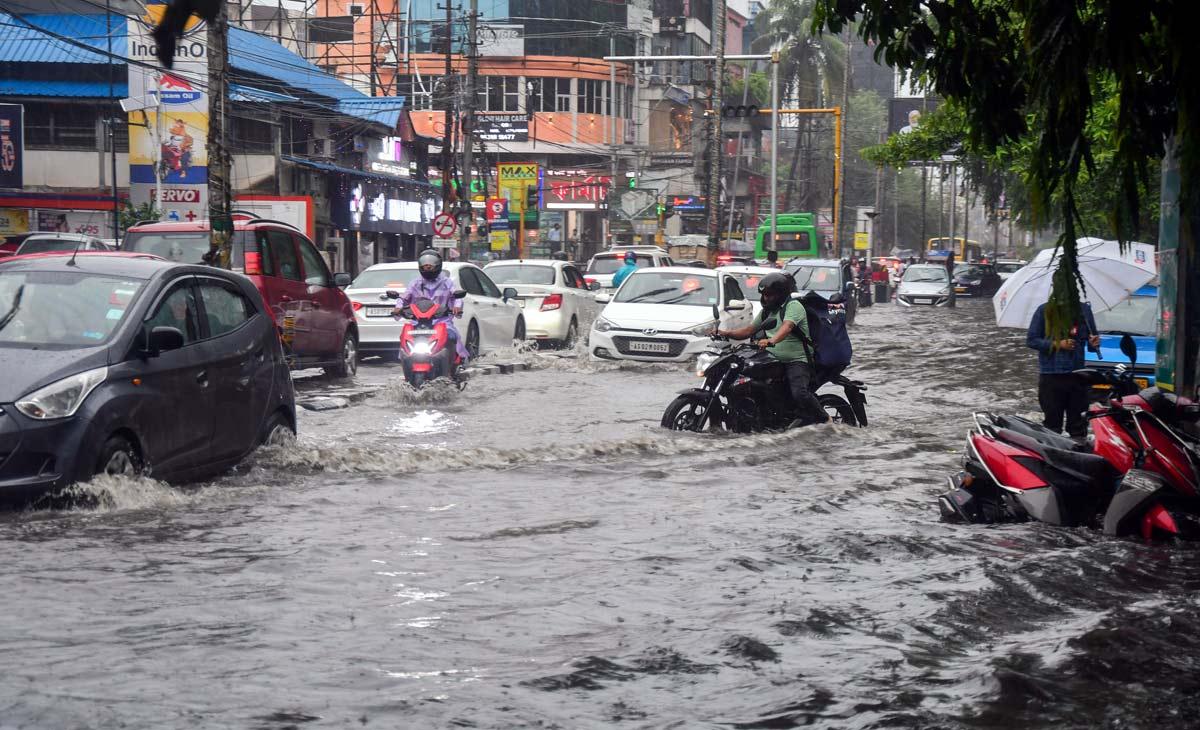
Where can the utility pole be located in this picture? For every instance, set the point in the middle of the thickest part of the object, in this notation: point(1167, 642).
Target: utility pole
point(613, 190)
point(448, 96)
point(468, 131)
point(112, 122)
point(924, 195)
point(840, 192)
point(737, 160)
point(714, 144)
point(219, 185)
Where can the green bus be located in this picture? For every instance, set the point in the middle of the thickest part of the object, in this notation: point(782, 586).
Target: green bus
point(795, 235)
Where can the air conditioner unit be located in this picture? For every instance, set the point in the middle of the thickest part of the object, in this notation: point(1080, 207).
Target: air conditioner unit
point(321, 148)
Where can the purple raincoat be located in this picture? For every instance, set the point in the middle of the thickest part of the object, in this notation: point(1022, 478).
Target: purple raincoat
point(441, 291)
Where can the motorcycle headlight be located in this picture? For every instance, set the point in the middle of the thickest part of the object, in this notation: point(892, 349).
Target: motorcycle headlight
point(704, 362)
point(62, 398)
point(603, 325)
point(702, 330)
point(424, 347)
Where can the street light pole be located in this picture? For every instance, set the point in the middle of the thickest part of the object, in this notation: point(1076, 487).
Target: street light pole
point(774, 145)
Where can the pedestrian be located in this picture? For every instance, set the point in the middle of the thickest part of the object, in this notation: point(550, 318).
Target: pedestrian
point(554, 236)
point(773, 259)
point(1062, 395)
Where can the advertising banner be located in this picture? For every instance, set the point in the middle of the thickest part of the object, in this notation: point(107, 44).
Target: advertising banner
point(12, 146)
point(904, 113)
point(513, 181)
point(96, 223)
point(13, 221)
point(385, 207)
point(171, 131)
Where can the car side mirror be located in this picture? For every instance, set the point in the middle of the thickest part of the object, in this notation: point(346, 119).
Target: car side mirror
point(1129, 349)
point(735, 305)
point(460, 293)
point(392, 294)
point(341, 280)
point(509, 293)
point(603, 298)
point(162, 339)
point(594, 286)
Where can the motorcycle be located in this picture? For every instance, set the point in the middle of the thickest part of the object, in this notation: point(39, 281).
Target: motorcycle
point(426, 352)
point(745, 390)
point(1140, 474)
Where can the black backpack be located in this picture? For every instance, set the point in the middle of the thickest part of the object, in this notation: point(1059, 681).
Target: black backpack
point(828, 343)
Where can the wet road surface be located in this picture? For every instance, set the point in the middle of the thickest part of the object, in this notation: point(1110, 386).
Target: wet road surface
point(536, 552)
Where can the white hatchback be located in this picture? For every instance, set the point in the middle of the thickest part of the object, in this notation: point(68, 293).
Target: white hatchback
point(491, 318)
point(604, 266)
point(667, 314)
point(748, 278)
point(553, 295)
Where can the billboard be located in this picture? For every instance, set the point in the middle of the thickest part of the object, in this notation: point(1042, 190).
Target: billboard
point(513, 181)
point(12, 146)
point(171, 132)
point(502, 127)
point(501, 40)
point(904, 113)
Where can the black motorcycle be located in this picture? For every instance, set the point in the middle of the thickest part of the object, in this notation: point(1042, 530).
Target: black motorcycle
point(746, 390)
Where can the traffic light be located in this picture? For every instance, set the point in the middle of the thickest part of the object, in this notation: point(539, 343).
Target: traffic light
point(633, 183)
point(531, 198)
point(731, 111)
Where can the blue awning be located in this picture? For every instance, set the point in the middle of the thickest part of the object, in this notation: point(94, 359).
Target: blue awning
point(240, 92)
point(59, 87)
point(329, 167)
point(383, 110)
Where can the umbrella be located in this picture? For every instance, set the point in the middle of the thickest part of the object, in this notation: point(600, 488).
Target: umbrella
point(1109, 276)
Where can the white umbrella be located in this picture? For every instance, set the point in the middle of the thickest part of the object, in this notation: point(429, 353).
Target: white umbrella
point(1110, 277)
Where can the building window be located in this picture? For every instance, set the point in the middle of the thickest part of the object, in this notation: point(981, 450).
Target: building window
point(71, 127)
point(549, 94)
point(499, 93)
point(591, 96)
point(251, 136)
point(418, 94)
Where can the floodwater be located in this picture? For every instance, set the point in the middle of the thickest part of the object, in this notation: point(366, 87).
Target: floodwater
point(536, 552)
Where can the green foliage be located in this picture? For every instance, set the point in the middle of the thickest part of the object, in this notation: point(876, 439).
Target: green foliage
point(130, 214)
point(760, 89)
point(1030, 78)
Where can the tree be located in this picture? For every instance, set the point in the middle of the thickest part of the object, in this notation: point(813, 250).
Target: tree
point(1028, 69)
point(811, 66)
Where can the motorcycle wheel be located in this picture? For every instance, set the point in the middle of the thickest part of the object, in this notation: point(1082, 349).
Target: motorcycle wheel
point(417, 380)
point(684, 412)
point(838, 410)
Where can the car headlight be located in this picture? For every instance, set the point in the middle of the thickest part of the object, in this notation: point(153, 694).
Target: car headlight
point(704, 362)
point(603, 325)
point(62, 398)
point(944, 292)
point(702, 330)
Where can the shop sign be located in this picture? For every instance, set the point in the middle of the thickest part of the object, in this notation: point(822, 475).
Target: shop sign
point(513, 181)
point(384, 207)
point(584, 192)
point(96, 223)
point(502, 127)
point(13, 220)
point(500, 240)
point(12, 146)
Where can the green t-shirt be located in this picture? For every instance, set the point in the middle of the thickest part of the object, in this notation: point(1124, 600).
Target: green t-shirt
point(791, 348)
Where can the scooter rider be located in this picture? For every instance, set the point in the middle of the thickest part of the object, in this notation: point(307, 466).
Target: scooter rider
point(624, 272)
point(785, 343)
point(436, 286)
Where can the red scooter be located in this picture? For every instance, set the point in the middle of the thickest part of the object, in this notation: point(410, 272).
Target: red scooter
point(426, 352)
point(1140, 474)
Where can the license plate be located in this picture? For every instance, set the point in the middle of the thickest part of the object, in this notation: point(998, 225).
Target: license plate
point(420, 332)
point(636, 346)
point(960, 290)
point(379, 311)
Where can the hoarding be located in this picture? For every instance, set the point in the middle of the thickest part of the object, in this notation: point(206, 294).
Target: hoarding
point(12, 146)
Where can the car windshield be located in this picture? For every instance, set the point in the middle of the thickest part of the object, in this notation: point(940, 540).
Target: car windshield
point(816, 278)
point(1008, 268)
point(925, 273)
point(505, 274)
point(63, 309)
point(969, 270)
point(669, 288)
point(749, 283)
point(1135, 315)
point(385, 278)
point(46, 245)
point(185, 247)
point(610, 263)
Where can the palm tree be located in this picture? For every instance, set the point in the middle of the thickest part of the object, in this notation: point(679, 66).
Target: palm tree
point(811, 65)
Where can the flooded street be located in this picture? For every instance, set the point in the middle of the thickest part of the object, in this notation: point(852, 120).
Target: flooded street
point(536, 551)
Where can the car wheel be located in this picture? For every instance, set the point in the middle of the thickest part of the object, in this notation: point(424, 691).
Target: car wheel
point(473, 340)
point(572, 335)
point(277, 431)
point(519, 332)
point(119, 456)
point(347, 366)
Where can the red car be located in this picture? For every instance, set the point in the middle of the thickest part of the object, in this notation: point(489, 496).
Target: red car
point(305, 299)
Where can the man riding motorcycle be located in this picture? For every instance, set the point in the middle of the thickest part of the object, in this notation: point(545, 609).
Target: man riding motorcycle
point(786, 342)
point(435, 285)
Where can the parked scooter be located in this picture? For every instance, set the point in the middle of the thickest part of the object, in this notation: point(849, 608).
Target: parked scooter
point(426, 352)
point(745, 390)
point(1139, 475)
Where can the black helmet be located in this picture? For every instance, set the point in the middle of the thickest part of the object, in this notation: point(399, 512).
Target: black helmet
point(559, 256)
point(430, 264)
point(774, 290)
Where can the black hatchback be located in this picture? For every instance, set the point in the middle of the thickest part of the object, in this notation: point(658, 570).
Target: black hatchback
point(976, 280)
point(115, 364)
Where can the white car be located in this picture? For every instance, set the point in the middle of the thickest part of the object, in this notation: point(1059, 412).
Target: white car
point(748, 278)
point(1007, 267)
point(924, 284)
point(491, 318)
point(603, 266)
point(553, 295)
point(667, 314)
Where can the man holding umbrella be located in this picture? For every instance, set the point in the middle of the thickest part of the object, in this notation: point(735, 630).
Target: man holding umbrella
point(1060, 393)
